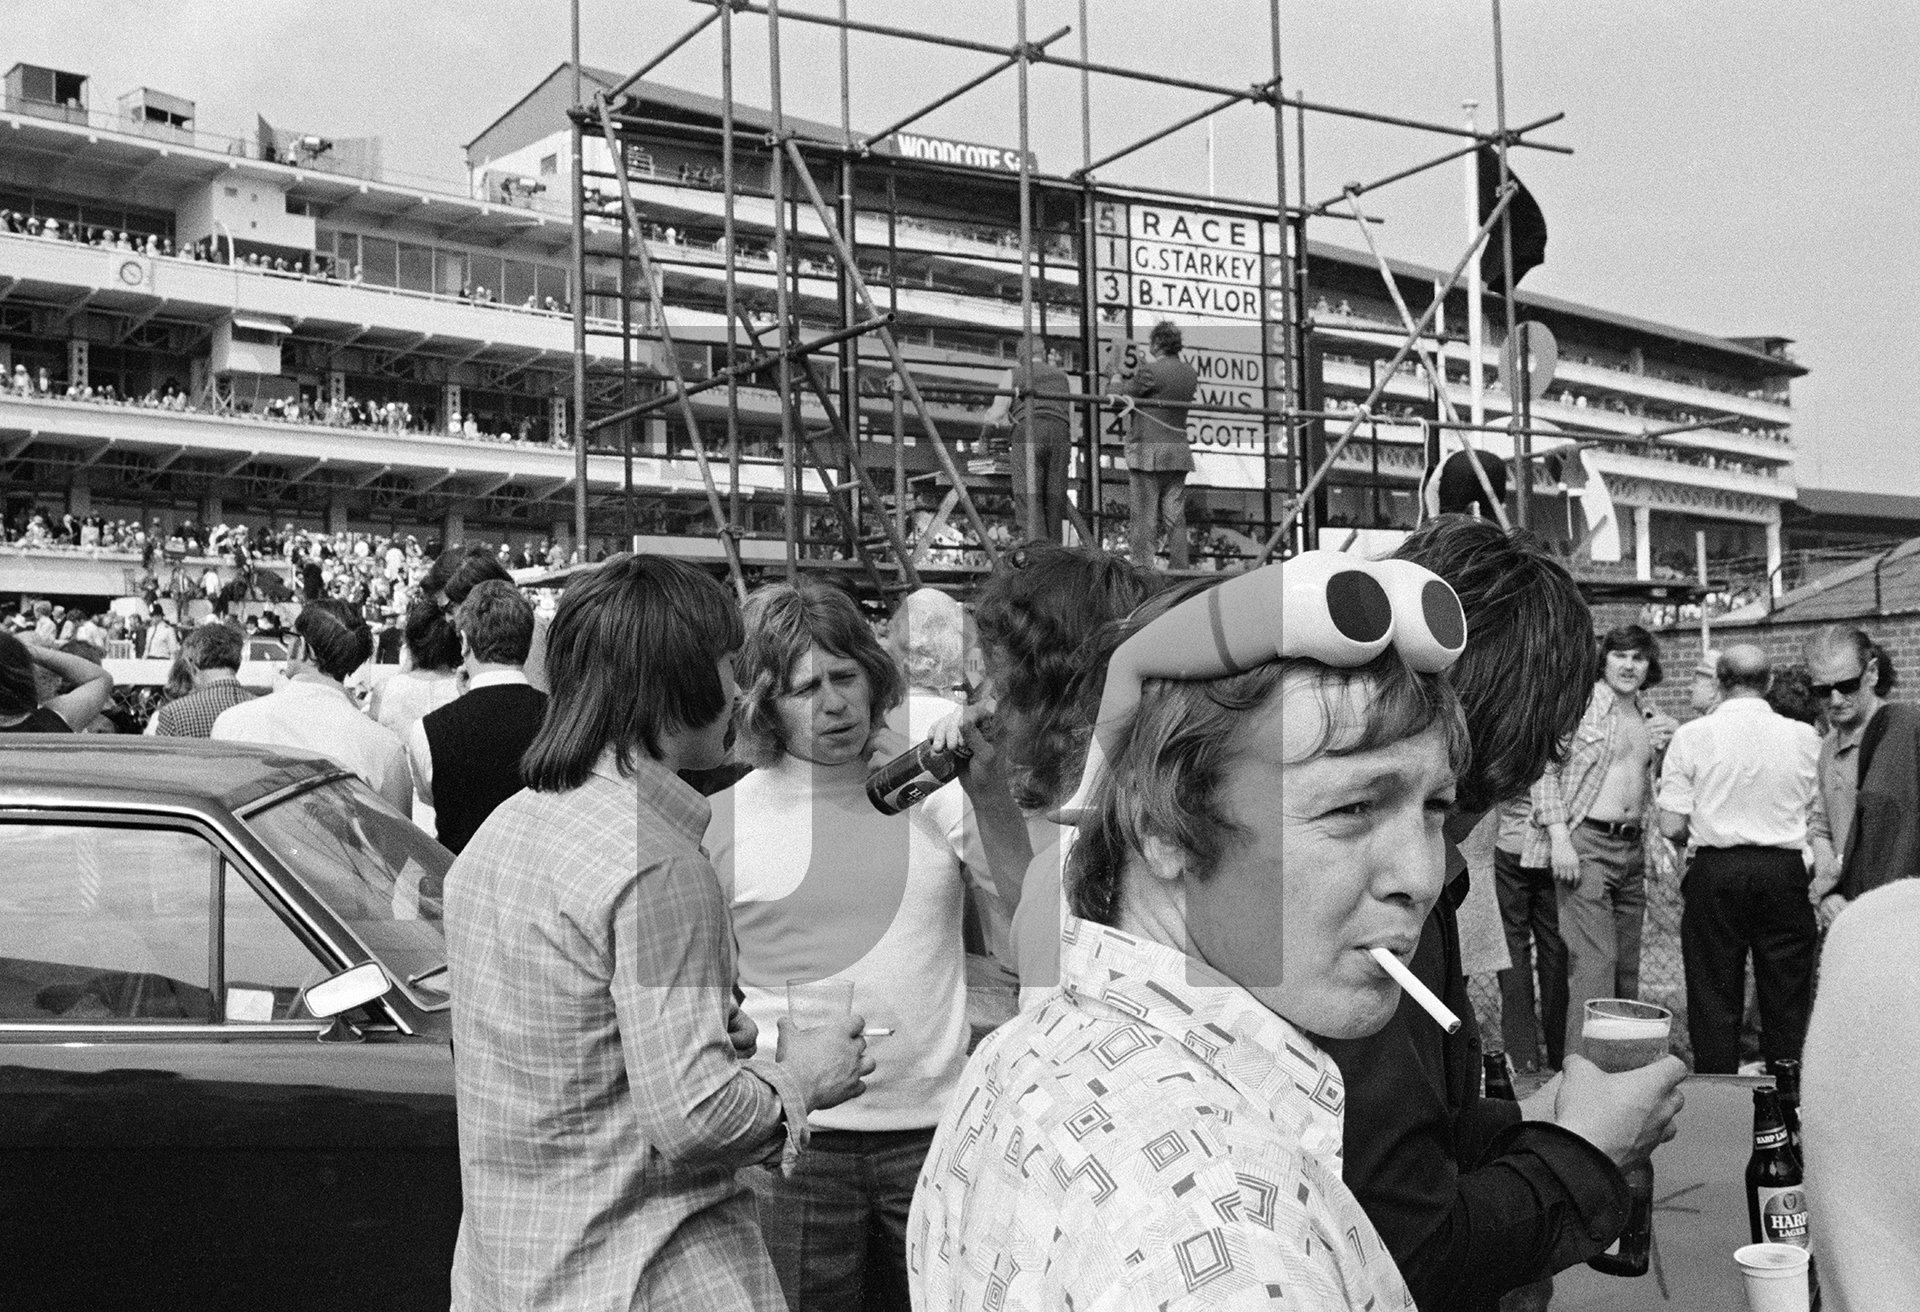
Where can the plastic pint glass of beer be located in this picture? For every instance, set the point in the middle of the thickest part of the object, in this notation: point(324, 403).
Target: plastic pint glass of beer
point(1619, 1034)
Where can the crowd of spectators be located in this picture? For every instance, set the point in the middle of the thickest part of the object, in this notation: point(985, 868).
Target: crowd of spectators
point(346, 412)
point(214, 250)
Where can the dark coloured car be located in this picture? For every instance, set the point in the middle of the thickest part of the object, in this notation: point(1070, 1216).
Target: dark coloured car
point(203, 1104)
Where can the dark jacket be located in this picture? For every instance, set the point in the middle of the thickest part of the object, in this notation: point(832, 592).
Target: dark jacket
point(1158, 440)
point(1470, 1200)
point(1884, 843)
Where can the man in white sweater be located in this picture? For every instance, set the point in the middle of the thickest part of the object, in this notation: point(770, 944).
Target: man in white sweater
point(826, 890)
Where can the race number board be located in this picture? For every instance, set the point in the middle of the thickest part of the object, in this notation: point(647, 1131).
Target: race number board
point(1221, 277)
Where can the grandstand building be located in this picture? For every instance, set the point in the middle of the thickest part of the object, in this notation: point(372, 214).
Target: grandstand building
point(274, 330)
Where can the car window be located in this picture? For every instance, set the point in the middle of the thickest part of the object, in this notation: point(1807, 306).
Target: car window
point(375, 869)
point(102, 923)
point(267, 964)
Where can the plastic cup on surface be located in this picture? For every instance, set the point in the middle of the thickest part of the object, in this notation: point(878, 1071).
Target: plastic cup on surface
point(1776, 1277)
point(812, 1003)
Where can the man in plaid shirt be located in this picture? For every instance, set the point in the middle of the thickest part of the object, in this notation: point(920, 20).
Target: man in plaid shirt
point(602, 1071)
point(1590, 817)
point(213, 650)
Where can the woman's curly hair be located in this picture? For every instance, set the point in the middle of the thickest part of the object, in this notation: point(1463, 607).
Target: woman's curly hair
point(1035, 617)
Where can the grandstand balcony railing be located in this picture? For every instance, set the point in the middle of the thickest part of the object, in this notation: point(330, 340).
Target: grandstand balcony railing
point(1762, 409)
point(206, 290)
point(1410, 387)
point(425, 455)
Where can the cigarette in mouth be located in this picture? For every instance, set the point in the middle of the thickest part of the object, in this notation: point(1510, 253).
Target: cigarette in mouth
point(881, 1032)
point(1415, 989)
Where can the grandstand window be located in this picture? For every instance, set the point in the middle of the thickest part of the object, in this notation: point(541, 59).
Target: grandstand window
point(516, 287)
point(416, 267)
point(379, 261)
point(450, 272)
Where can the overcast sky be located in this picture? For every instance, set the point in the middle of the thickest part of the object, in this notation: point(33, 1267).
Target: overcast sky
point(1741, 168)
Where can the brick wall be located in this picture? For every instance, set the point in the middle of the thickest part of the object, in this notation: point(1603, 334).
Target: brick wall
point(1898, 635)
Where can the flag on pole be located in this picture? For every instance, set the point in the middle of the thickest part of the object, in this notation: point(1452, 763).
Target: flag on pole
point(1523, 215)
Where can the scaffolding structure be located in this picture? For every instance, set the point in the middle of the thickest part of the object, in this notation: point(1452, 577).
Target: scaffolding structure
point(877, 535)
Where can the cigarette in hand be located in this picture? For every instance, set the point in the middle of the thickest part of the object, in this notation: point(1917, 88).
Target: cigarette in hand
point(1419, 992)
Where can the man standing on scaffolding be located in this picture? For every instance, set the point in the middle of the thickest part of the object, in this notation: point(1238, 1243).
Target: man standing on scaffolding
point(1158, 459)
point(1033, 400)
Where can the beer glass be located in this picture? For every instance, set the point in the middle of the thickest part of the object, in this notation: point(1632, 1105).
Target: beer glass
point(1620, 1034)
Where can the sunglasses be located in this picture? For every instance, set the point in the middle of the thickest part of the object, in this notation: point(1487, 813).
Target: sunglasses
point(1846, 687)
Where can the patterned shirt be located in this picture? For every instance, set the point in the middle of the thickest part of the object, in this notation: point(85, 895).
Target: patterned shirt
point(192, 716)
point(1149, 1137)
point(603, 1112)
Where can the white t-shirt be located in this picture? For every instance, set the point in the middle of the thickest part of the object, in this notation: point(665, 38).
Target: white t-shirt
point(823, 886)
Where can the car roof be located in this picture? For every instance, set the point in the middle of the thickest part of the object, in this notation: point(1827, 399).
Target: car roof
point(36, 769)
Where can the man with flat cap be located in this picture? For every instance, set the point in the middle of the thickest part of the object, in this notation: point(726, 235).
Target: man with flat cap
point(1740, 782)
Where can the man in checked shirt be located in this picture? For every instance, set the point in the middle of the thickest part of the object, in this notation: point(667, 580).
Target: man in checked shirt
point(1590, 817)
point(603, 1074)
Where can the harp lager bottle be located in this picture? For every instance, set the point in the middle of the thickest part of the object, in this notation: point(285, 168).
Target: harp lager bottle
point(1776, 1198)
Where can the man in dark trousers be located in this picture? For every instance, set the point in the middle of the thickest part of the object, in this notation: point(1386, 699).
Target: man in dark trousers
point(1041, 419)
point(1869, 772)
point(1471, 1196)
point(1740, 784)
point(466, 755)
point(1158, 458)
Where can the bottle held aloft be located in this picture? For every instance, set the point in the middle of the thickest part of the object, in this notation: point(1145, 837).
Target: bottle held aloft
point(913, 774)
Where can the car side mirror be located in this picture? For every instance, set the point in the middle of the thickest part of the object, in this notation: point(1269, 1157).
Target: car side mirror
point(353, 987)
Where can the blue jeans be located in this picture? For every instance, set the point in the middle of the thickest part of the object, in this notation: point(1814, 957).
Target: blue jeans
point(837, 1229)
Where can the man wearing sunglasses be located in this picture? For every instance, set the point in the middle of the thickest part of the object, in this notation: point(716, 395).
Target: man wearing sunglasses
point(1869, 771)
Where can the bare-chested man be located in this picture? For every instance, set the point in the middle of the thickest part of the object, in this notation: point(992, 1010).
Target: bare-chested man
point(1590, 818)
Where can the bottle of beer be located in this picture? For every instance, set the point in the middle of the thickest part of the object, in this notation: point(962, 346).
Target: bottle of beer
point(1776, 1200)
point(1786, 1080)
point(913, 774)
point(1499, 1080)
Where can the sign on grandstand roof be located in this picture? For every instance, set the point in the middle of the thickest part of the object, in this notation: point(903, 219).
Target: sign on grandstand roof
point(965, 154)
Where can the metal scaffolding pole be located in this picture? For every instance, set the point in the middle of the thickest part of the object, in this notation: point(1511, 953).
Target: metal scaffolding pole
point(1030, 350)
point(1287, 307)
point(1261, 92)
point(912, 388)
point(789, 455)
point(1114, 70)
point(728, 186)
point(899, 125)
point(656, 291)
point(843, 429)
point(1364, 413)
point(620, 88)
point(579, 309)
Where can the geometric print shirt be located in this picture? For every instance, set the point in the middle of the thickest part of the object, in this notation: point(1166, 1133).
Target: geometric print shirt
point(1150, 1137)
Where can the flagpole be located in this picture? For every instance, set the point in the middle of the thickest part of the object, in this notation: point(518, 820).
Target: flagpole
point(1476, 328)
